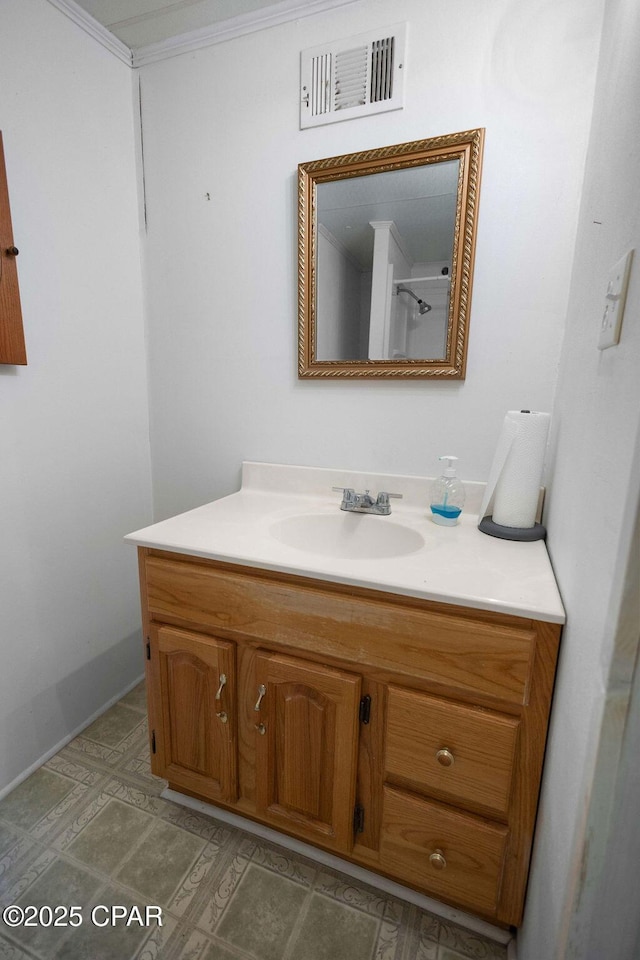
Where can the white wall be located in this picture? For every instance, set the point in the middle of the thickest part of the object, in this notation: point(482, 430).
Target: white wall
point(74, 456)
point(223, 121)
point(592, 508)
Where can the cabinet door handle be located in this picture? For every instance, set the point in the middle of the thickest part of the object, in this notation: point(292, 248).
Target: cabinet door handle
point(223, 716)
point(437, 860)
point(261, 692)
point(445, 757)
point(260, 727)
point(223, 680)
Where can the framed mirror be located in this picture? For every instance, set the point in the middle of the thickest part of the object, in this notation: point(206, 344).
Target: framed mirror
point(386, 244)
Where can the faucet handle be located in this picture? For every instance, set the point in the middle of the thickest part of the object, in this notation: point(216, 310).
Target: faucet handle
point(384, 497)
point(348, 493)
point(349, 498)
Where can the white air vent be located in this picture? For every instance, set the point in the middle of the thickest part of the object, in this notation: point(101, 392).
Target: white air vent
point(353, 77)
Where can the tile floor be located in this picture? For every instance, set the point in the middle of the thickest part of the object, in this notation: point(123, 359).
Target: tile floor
point(90, 829)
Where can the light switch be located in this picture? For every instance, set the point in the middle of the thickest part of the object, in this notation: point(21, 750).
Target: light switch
point(617, 282)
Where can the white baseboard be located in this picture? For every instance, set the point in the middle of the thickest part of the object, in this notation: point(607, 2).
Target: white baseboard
point(359, 873)
point(83, 726)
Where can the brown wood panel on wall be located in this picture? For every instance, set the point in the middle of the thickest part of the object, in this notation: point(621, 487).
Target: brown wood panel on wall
point(12, 345)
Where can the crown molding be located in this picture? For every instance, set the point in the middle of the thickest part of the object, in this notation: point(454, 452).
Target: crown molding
point(91, 26)
point(219, 32)
point(223, 30)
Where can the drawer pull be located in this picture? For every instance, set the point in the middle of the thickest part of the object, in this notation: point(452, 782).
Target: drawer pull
point(437, 860)
point(261, 692)
point(445, 757)
point(223, 680)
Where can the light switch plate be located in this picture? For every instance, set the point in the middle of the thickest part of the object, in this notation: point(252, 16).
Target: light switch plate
point(617, 282)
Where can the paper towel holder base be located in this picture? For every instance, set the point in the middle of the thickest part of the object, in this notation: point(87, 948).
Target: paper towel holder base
point(536, 532)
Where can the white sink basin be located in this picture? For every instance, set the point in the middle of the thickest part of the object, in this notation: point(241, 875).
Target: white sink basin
point(347, 536)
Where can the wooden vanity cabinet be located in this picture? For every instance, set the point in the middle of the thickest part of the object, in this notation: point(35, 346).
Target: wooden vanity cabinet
point(404, 735)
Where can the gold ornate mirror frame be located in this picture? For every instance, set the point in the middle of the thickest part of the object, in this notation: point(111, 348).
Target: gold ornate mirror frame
point(465, 147)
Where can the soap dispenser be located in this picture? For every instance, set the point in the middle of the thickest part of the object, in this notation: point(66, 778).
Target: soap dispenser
point(447, 495)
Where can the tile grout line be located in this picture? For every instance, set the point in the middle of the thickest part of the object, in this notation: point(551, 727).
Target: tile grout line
point(302, 914)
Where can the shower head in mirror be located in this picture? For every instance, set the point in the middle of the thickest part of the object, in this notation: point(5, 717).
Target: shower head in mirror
point(422, 306)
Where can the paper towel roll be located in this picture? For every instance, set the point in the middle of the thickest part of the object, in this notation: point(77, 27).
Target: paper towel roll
point(513, 487)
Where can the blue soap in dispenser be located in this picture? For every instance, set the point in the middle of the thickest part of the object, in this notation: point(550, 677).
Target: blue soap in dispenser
point(447, 495)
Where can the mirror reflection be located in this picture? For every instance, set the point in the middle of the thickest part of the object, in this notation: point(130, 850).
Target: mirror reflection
point(386, 252)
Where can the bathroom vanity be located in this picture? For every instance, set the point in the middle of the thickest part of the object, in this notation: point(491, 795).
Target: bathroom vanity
point(376, 686)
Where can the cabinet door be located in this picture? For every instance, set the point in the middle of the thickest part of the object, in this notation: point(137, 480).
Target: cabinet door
point(306, 748)
point(196, 742)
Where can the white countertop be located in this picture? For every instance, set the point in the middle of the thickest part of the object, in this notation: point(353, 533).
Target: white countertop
point(456, 565)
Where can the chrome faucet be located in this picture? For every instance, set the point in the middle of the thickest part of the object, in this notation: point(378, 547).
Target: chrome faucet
point(364, 503)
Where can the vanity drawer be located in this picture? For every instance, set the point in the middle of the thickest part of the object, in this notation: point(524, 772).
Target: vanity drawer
point(445, 853)
point(450, 750)
point(408, 638)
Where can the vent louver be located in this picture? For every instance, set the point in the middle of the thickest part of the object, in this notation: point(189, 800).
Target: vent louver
point(350, 79)
point(382, 70)
point(321, 84)
point(353, 77)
